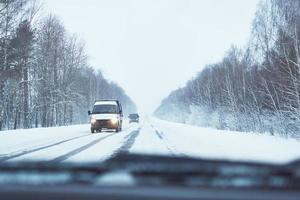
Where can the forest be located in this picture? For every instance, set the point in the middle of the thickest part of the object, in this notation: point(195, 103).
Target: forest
point(252, 89)
point(45, 76)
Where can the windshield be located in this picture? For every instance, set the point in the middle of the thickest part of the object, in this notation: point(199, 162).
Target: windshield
point(133, 116)
point(105, 109)
point(89, 83)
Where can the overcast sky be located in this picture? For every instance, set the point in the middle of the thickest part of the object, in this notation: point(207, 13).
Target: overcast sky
point(151, 47)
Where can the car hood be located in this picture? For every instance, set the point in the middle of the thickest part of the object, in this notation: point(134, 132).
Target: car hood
point(104, 116)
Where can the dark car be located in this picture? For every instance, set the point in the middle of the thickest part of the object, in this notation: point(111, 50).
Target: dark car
point(134, 118)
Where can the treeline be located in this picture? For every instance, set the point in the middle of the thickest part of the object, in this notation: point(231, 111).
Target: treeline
point(252, 89)
point(45, 78)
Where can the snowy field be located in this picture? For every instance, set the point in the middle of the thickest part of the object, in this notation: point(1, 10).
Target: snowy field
point(151, 136)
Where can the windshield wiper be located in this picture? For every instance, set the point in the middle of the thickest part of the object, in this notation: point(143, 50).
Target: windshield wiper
point(209, 173)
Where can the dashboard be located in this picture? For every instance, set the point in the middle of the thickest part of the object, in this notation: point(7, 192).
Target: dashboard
point(79, 192)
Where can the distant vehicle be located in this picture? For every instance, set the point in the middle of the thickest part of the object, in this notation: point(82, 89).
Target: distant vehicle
point(134, 118)
point(106, 114)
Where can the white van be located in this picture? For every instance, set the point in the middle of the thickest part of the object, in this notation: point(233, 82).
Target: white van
point(106, 114)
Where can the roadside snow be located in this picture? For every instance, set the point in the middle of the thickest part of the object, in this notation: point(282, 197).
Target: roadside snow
point(21, 140)
point(219, 144)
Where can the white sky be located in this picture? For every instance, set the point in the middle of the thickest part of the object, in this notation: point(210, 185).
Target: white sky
point(151, 47)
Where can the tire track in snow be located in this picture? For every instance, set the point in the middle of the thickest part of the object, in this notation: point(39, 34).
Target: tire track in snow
point(25, 152)
point(159, 135)
point(80, 149)
point(128, 142)
point(171, 148)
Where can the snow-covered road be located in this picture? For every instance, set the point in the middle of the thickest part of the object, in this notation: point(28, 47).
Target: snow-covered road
point(151, 136)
